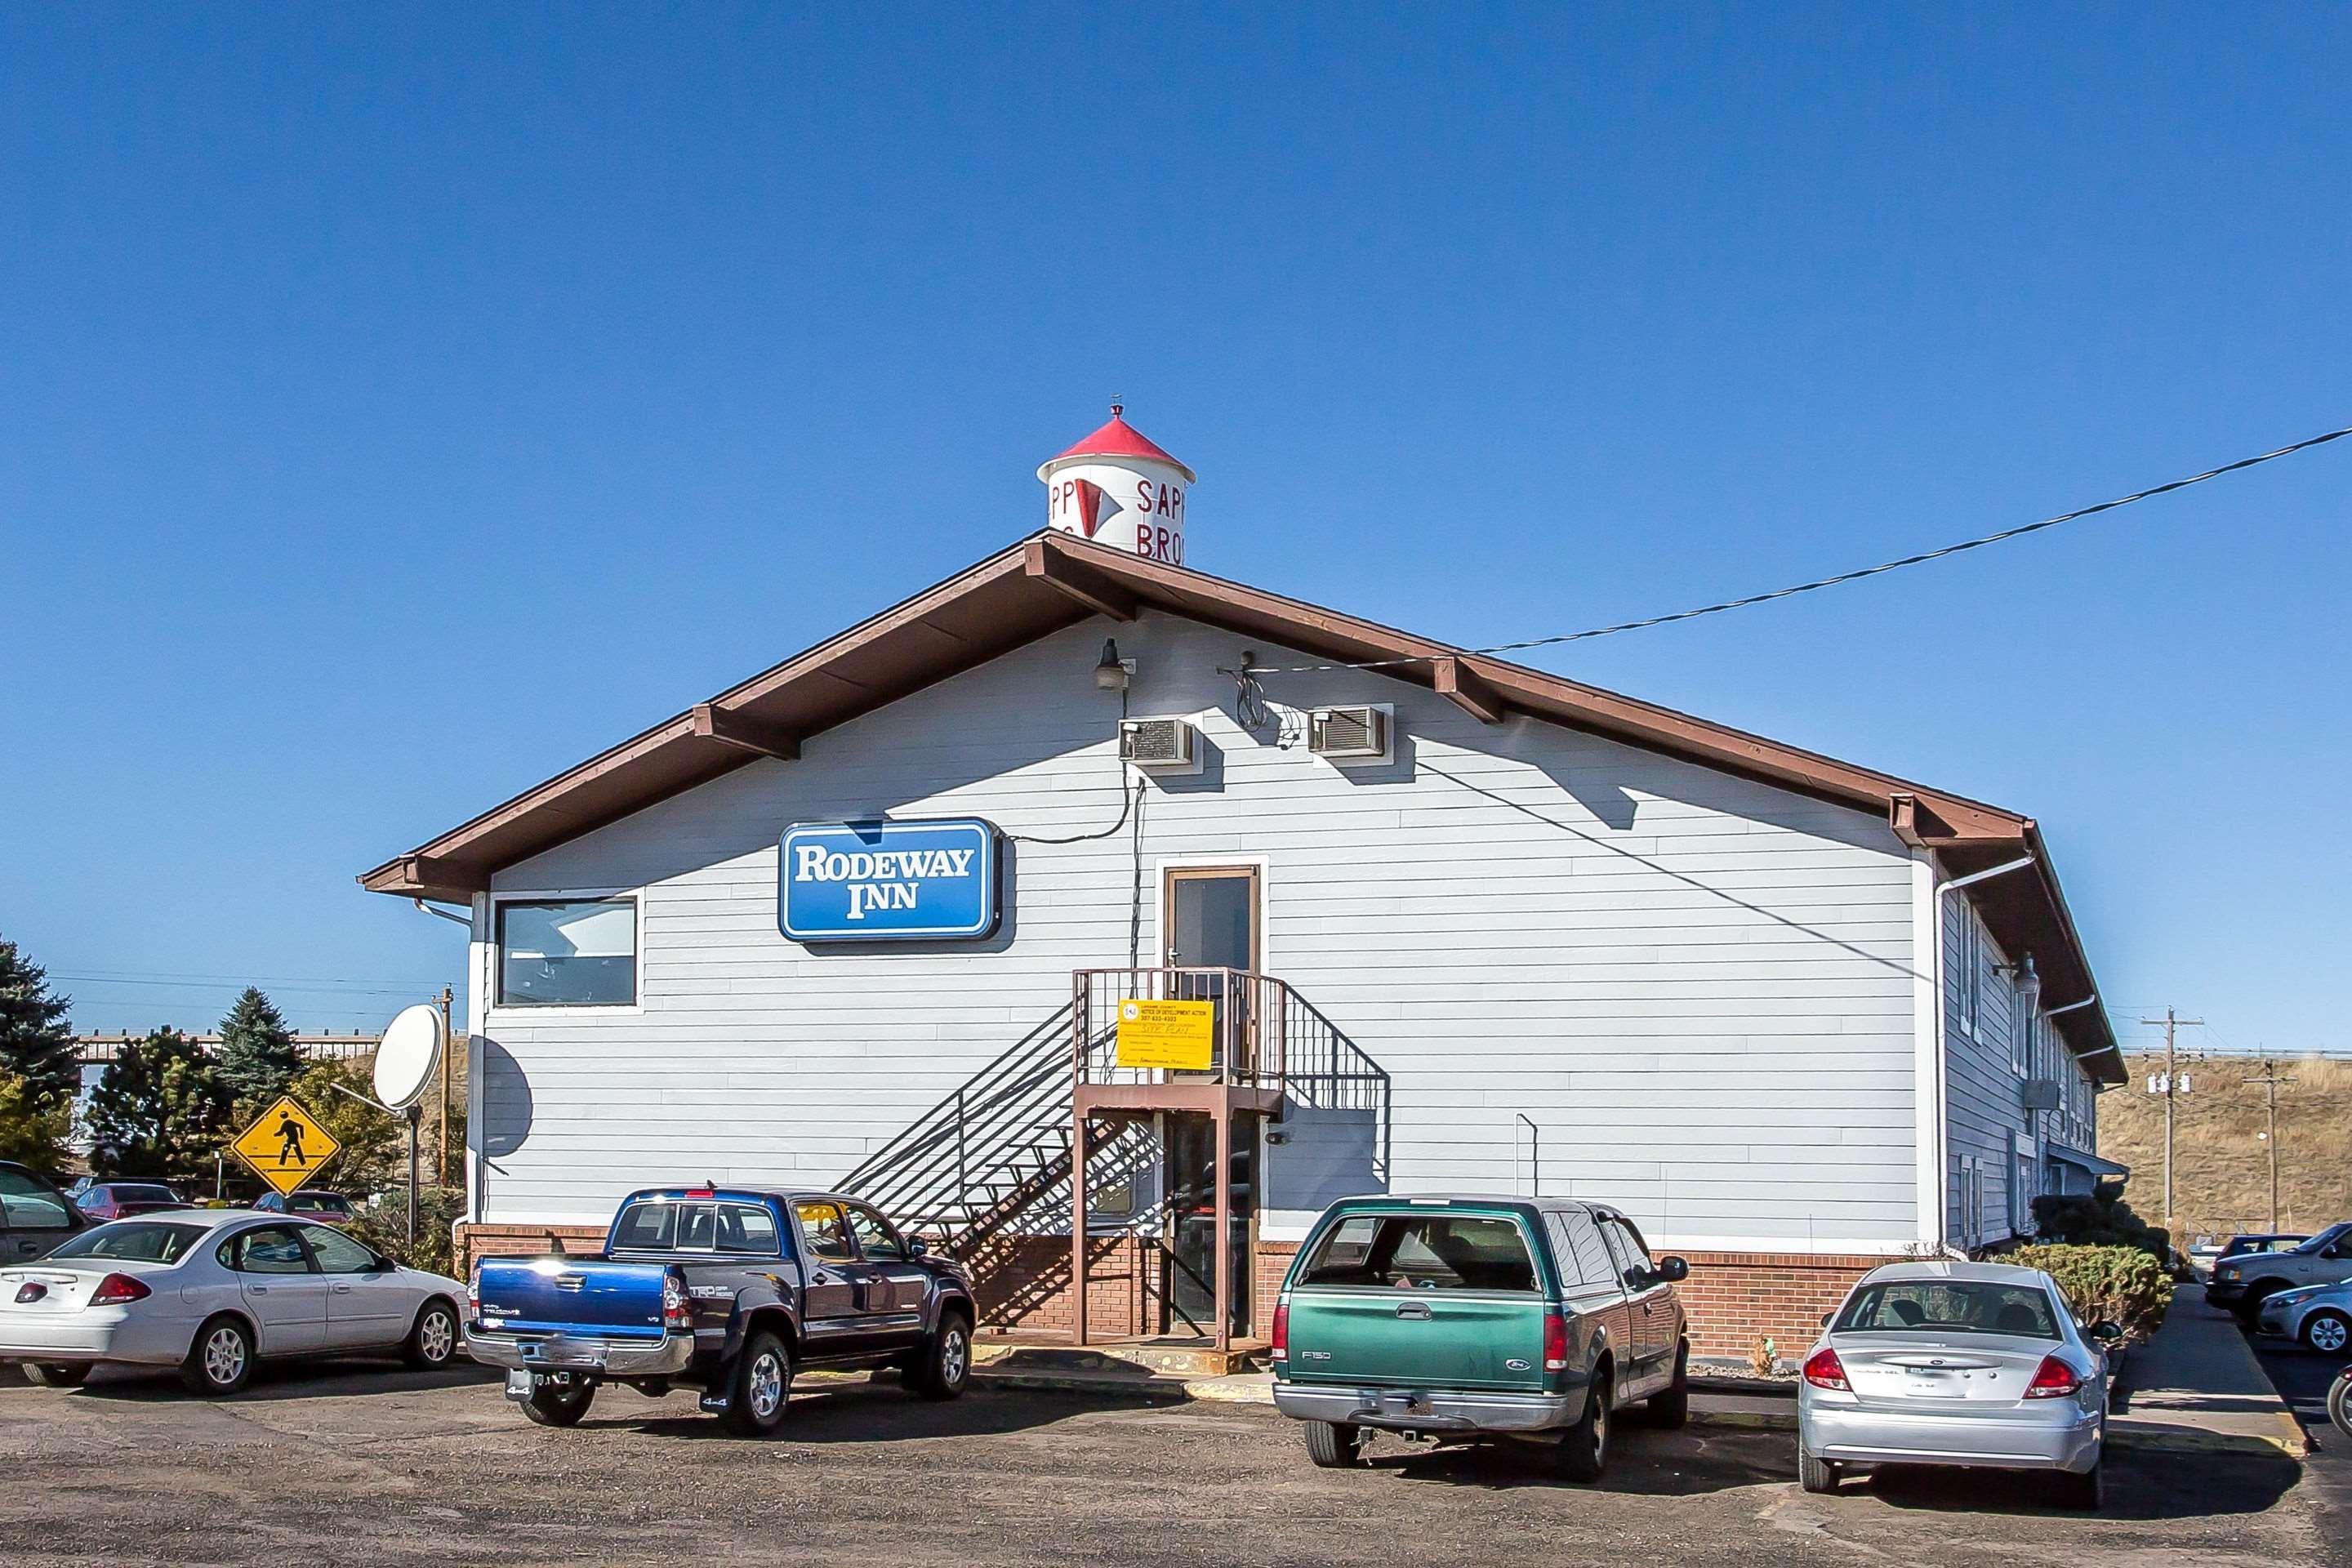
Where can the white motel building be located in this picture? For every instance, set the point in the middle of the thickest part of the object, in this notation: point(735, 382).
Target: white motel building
point(866, 921)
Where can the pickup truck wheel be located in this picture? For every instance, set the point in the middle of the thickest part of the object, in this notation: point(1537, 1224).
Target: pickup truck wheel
point(552, 1405)
point(1817, 1475)
point(1669, 1409)
point(1332, 1446)
point(762, 1386)
point(1584, 1450)
point(946, 1360)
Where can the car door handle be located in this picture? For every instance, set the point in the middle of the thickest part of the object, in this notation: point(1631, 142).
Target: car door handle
point(1412, 1310)
point(342, 1289)
point(257, 1289)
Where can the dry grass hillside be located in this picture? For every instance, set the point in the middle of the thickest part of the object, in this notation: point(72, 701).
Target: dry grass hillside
point(2220, 1165)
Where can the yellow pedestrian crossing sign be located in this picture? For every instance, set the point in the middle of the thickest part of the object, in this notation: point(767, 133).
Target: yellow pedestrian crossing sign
point(286, 1146)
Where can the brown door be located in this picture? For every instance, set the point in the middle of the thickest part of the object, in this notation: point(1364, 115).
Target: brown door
point(1209, 919)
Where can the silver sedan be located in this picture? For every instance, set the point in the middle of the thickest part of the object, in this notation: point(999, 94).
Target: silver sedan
point(211, 1291)
point(1973, 1364)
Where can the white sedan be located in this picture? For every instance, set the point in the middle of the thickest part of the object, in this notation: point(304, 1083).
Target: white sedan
point(211, 1291)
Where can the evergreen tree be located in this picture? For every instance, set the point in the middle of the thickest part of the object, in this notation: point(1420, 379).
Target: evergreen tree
point(257, 1058)
point(160, 1112)
point(33, 1126)
point(36, 1042)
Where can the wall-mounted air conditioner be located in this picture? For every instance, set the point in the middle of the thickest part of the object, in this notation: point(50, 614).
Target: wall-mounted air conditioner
point(1163, 746)
point(1364, 733)
point(2039, 1094)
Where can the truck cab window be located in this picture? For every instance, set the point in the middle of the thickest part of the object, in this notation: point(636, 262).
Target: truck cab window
point(828, 1236)
point(874, 1237)
point(744, 1229)
point(645, 1227)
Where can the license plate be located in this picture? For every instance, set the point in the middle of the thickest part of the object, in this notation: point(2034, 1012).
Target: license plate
point(1934, 1388)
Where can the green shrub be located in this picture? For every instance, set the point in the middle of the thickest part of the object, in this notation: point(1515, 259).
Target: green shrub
point(386, 1227)
point(2120, 1285)
point(2101, 1219)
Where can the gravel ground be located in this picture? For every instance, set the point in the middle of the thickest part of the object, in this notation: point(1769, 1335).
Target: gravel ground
point(349, 1463)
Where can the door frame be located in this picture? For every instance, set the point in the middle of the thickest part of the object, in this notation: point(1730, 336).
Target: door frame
point(1195, 870)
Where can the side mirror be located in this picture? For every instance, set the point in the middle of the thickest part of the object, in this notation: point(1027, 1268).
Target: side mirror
point(917, 1247)
point(1673, 1271)
point(2107, 1333)
point(1825, 1318)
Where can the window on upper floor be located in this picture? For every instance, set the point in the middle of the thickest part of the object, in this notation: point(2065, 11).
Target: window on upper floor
point(578, 952)
point(1968, 973)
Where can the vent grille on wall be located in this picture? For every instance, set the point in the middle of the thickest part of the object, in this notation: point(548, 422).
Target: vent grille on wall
point(1156, 742)
point(1361, 734)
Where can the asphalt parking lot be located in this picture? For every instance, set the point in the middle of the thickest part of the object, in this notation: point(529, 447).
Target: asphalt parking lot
point(359, 1463)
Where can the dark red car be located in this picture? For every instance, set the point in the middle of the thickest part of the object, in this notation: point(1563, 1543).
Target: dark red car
point(103, 1200)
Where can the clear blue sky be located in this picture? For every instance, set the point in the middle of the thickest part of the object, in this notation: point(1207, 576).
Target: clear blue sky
point(400, 405)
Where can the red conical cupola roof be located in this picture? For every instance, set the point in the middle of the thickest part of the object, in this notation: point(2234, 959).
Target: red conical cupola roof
point(1118, 439)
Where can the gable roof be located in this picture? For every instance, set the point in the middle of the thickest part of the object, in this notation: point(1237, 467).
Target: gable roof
point(1051, 581)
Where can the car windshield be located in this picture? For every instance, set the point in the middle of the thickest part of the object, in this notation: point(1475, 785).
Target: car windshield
point(1950, 1306)
point(2325, 1238)
point(1422, 1252)
point(319, 1203)
point(141, 1192)
point(135, 1241)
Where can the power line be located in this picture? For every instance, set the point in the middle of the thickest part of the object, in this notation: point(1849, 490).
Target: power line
point(1855, 576)
point(328, 988)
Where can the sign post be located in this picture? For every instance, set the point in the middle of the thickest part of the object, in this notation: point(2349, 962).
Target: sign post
point(286, 1146)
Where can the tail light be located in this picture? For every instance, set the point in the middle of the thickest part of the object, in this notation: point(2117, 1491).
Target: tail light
point(2054, 1379)
point(474, 1295)
point(1823, 1370)
point(1555, 1342)
point(1282, 1330)
point(116, 1289)
point(678, 1307)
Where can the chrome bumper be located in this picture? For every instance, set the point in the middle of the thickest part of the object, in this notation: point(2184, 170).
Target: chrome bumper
point(1415, 1410)
point(1885, 1438)
point(664, 1357)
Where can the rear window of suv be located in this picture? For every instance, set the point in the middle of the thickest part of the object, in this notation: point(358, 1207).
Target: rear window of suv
point(1422, 1252)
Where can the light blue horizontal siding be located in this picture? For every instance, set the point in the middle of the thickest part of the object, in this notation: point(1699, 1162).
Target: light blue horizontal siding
point(1700, 990)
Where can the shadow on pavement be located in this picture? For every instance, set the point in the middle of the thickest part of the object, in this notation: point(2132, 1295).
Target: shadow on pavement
point(2141, 1484)
point(1641, 1464)
point(866, 1412)
point(282, 1380)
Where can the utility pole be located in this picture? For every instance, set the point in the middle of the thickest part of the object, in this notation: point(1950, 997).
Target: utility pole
point(2270, 1080)
point(2172, 1023)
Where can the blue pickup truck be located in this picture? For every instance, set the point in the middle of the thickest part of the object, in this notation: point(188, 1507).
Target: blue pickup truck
point(729, 1291)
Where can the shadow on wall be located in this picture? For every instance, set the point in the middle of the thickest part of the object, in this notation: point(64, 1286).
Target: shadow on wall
point(507, 1104)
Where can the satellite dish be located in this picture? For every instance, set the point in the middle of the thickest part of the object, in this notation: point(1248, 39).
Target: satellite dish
point(407, 1055)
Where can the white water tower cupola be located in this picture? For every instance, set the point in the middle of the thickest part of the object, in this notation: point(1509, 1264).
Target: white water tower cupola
point(1118, 489)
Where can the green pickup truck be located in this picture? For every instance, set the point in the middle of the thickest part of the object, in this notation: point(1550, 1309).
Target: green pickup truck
point(1456, 1319)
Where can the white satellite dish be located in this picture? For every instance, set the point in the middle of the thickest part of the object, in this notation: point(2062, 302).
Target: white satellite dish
point(407, 1055)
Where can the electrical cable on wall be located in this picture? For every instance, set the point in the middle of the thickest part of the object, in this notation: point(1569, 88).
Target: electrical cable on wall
point(1922, 557)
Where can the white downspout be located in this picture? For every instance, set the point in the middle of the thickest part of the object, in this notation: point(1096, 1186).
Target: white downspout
point(1942, 1109)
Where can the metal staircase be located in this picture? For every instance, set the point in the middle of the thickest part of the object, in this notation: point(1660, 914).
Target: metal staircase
point(994, 1153)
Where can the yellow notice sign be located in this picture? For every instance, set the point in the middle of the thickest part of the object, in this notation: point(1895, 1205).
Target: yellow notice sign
point(1179, 1034)
point(286, 1146)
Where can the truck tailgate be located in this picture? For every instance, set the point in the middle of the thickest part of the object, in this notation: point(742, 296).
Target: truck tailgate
point(1421, 1339)
point(572, 1295)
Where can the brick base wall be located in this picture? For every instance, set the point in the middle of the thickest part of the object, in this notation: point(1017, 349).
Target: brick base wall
point(1735, 1299)
point(1023, 1282)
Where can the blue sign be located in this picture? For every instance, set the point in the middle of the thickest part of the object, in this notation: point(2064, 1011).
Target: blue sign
point(888, 882)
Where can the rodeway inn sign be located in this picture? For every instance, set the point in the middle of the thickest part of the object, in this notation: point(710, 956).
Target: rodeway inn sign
point(888, 882)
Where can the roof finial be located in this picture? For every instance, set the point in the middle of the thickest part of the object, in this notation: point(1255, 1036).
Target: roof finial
point(1117, 406)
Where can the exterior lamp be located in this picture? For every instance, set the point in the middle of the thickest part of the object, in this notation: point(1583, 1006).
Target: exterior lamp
point(1110, 673)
